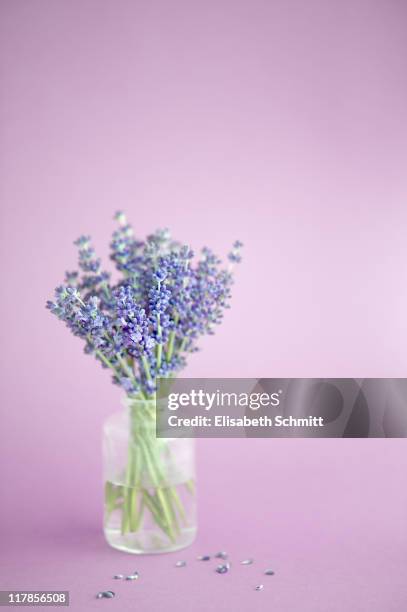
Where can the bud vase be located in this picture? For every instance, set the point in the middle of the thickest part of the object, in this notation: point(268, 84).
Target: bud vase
point(150, 504)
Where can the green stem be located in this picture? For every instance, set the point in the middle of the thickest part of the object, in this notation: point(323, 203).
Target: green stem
point(159, 355)
point(178, 504)
point(146, 367)
point(167, 518)
point(183, 345)
point(149, 500)
point(167, 494)
point(170, 348)
point(133, 510)
point(138, 517)
point(107, 362)
point(125, 515)
point(125, 367)
point(171, 339)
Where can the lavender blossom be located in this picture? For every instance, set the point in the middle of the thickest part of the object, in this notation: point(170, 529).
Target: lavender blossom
point(235, 256)
point(143, 327)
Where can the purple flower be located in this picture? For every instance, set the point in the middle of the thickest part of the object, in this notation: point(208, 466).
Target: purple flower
point(142, 327)
point(235, 256)
point(133, 324)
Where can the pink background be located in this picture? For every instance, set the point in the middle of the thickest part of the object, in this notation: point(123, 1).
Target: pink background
point(280, 123)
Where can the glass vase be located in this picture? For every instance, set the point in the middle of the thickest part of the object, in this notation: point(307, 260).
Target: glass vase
point(150, 504)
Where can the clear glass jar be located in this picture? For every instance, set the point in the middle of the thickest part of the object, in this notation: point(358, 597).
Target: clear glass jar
point(150, 504)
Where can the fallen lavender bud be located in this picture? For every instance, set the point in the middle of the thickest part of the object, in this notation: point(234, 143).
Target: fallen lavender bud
point(105, 595)
point(221, 555)
point(223, 568)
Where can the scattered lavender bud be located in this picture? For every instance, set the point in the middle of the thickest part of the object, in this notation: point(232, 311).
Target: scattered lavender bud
point(223, 568)
point(132, 576)
point(269, 572)
point(180, 564)
point(260, 587)
point(105, 594)
point(118, 576)
point(203, 558)
point(247, 562)
point(221, 555)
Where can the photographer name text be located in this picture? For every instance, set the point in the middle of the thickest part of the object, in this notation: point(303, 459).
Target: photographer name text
point(245, 421)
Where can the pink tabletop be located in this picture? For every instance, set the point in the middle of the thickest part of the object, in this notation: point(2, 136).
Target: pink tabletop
point(328, 516)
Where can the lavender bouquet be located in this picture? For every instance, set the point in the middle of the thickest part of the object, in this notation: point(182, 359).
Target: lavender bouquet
point(141, 329)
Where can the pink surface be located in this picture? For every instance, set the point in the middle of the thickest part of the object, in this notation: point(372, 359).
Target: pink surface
point(279, 123)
